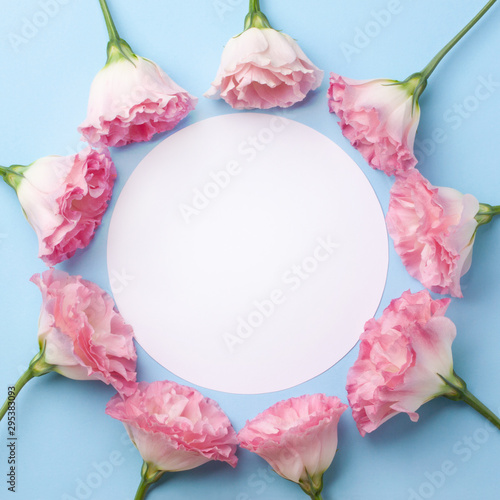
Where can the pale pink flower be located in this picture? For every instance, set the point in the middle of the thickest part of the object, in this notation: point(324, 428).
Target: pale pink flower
point(81, 334)
point(131, 99)
point(64, 199)
point(297, 437)
point(262, 68)
point(380, 119)
point(174, 427)
point(433, 229)
point(401, 358)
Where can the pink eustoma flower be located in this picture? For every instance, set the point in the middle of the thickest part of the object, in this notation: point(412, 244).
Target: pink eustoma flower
point(132, 99)
point(401, 358)
point(433, 229)
point(174, 428)
point(263, 68)
point(81, 336)
point(64, 199)
point(380, 119)
point(404, 361)
point(81, 333)
point(297, 437)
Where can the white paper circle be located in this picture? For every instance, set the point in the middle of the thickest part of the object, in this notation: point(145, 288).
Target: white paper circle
point(247, 251)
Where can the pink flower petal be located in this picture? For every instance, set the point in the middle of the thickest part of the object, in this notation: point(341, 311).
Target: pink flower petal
point(297, 437)
point(262, 69)
point(378, 118)
point(433, 231)
point(85, 337)
point(400, 357)
point(174, 427)
point(132, 101)
point(64, 200)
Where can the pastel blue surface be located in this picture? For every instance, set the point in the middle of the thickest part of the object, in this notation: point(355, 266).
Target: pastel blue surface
point(64, 437)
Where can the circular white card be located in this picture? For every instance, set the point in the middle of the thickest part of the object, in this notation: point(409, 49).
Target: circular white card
point(247, 251)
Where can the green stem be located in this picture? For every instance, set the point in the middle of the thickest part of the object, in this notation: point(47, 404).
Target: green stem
point(459, 392)
point(143, 488)
point(316, 496)
point(110, 25)
point(312, 486)
point(149, 475)
point(473, 402)
point(417, 82)
point(13, 175)
point(254, 6)
point(117, 47)
point(4, 172)
point(23, 379)
point(255, 17)
point(36, 368)
point(429, 69)
point(485, 209)
point(486, 213)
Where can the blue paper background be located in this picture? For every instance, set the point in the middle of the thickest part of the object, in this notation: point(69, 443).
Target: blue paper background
point(64, 437)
